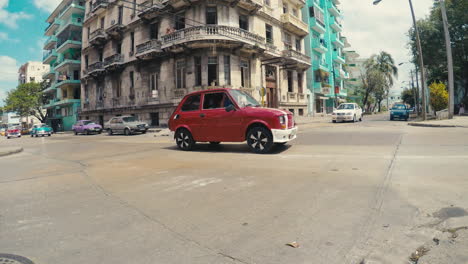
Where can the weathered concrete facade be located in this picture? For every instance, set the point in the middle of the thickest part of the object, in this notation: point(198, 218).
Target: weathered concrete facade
point(143, 60)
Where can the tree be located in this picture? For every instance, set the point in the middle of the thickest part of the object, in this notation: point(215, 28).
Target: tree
point(26, 100)
point(433, 44)
point(407, 97)
point(438, 96)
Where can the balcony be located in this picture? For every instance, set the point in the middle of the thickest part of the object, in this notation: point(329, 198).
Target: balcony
point(294, 24)
point(113, 62)
point(149, 49)
point(50, 89)
point(317, 26)
point(295, 57)
point(116, 29)
point(67, 63)
point(321, 65)
point(97, 37)
point(72, 24)
point(338, 59)
point(150, 9)
point(50, 30)
point(74, 7)
point(50, 104)
point(337, 41)
point(50, 43)
point(336, 26)
point(63, 45)
point(49, 56)
point(319, 45)
point(67, 83)
point(251, 6)
point(68, 101)
point(99, 6)
point(49, 75)
point(204, 36)
point(333, 9)
point(95, 69)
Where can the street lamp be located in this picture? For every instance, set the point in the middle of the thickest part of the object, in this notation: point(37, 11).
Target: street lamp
point(421, 61)
point(448, 48)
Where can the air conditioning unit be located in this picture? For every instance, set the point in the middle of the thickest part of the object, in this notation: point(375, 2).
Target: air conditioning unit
point(112, 22)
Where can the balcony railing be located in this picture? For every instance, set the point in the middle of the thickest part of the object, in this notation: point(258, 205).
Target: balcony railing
point(294, 24)
point(98, 4)
point(116, 58)
point(98, 33)
point(48, 53)
point(153, 44)
point(297, 55)
point(97, 66)
point(210, 31)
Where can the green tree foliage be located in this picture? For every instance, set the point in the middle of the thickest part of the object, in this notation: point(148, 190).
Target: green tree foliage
point(433, 44)
point(438, 96)
point(408, 97)
point(26, 100)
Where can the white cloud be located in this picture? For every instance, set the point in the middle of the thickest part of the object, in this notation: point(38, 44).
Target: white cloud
point(11, 19)
point(4, 37)
point(47, 5)
point(8, 75)
point(371, 29)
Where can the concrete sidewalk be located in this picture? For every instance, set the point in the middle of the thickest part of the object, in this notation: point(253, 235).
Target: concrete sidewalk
point(457, 121)
point(5, 151)
point(302, 120)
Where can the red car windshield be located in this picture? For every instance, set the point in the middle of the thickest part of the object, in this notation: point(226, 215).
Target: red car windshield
point(243, 99)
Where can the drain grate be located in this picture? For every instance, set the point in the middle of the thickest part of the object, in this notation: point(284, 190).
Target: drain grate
point(13, 259)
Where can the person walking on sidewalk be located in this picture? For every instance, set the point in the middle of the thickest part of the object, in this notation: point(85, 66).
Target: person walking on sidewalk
point(462, 109)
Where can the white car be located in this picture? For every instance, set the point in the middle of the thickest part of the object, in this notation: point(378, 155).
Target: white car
point(347, 112)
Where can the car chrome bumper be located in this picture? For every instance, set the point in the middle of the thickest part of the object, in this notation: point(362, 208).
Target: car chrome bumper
point(342, 118)
point(284, 135)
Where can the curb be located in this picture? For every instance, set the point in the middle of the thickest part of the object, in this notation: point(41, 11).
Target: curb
point(433, 125)
point(11, 152)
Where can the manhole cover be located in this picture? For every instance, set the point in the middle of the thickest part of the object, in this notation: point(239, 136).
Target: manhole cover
point(13, 259)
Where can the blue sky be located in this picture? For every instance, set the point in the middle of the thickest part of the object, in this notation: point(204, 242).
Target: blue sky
point(22, 24)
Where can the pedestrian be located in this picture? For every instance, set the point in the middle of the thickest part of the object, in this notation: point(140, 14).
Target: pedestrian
point(462, 109)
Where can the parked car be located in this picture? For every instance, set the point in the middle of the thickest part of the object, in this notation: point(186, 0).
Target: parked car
point(87, 127)
point(25, 131)
point(13, 131)
point(347, 112)
point(399, 111)
point(41, 130)
point(2, 131)
point(125, 124)
point(229, 115)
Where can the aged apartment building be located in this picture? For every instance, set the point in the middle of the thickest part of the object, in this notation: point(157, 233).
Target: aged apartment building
point(141, 57)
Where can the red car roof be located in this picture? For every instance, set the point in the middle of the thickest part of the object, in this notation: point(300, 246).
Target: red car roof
point(209, 90)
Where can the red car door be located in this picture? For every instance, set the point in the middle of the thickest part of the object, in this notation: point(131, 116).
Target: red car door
point(220, 125)
point(190, 116)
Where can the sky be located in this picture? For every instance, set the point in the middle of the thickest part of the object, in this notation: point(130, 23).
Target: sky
point(369, 29)
point(383, 27)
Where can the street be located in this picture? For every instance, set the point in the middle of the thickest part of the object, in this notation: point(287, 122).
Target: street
point(346, 193)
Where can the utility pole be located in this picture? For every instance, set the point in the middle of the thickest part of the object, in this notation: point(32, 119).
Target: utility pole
point(448, 47)
point(421, 63)
point(416, 92)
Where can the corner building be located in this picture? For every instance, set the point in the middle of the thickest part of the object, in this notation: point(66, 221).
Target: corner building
point(142, 57)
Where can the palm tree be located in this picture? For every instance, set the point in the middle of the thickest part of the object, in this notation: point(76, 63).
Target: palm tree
point(384, 63)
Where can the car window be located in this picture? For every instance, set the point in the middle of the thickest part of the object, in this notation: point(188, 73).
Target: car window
point(129, 119)
point(243, 99)
point(216, 101)
point(346, 106)
point(192, 103)
point(399, 107)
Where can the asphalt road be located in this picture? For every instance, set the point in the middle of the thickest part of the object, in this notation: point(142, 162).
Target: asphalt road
point(344, 192)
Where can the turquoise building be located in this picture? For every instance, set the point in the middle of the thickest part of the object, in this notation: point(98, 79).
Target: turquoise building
point(325, 79)
point(62, 51)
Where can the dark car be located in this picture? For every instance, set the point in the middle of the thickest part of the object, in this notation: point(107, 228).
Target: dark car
point(399, 111)
point(230, 115)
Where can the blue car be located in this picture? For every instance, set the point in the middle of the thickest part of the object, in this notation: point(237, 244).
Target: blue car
point(399, 111)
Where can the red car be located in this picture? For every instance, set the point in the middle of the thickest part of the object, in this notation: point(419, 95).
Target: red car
point(229, 115)
point(14, 131)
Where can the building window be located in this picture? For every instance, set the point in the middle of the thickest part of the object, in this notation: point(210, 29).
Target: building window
point(294, 12)
point(132, 84)
point(298, 44)
point(86, 93)
point(86, 59)
point(301, 111)
point(285, 9)
point(101, 55)
point(88, 31)
point(245, 73)
point(119, 47)
point(132, 42)
point(211, 15)
point(102, 22)
point(180, 74)
point(120, 16)
point(269, 33)
point(118, 88)
point(244, 22)
point(267, 2)
point(134, 8)
point(180, 21)
point(154, 85)
point(198, 70)
point(227, 70)
point(300, 80)
point(154, 28)
point(213, 71)
point(287, 41)
point(290, 81)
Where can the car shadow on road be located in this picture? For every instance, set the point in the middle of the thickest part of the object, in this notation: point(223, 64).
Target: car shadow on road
point(229, 148)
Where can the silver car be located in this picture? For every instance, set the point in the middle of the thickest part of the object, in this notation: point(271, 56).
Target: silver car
point(125, 124)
